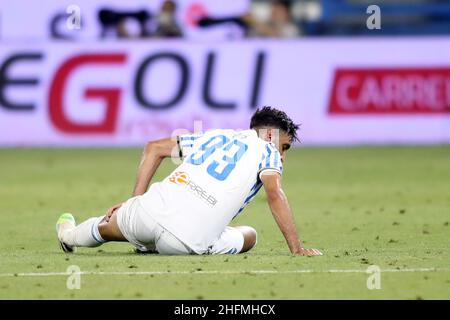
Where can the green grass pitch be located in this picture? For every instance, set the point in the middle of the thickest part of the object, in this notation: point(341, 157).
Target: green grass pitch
point(384, 206)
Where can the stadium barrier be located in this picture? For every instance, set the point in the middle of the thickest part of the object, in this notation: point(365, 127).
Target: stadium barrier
point(342, 91)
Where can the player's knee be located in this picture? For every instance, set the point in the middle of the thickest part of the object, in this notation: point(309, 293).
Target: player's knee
point(250, 238)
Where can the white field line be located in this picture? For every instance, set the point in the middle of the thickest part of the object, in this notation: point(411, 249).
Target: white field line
point(210, 272)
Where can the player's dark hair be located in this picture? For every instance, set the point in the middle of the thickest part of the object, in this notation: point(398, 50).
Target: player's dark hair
point(271, 117)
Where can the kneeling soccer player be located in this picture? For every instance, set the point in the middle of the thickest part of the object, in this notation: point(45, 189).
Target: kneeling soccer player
point(189, 211)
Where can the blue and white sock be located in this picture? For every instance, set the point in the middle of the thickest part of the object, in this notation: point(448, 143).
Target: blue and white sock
point(85, 234)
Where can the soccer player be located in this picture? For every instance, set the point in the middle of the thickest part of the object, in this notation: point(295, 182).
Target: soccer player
point(189, 211)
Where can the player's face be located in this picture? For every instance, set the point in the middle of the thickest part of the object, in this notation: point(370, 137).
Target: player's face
point(278, 137)
point(284, 144)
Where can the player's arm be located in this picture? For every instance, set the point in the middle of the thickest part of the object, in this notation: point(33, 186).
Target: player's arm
point(282, 213)
point(154, 152)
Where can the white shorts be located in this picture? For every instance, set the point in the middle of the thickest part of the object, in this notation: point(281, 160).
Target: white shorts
point(141, 230)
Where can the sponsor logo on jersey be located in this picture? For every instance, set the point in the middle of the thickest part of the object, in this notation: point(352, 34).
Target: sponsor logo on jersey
point(182, 178)
point(179, 177)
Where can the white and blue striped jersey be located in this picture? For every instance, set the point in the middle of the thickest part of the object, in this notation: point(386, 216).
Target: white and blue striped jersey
point(219, 176)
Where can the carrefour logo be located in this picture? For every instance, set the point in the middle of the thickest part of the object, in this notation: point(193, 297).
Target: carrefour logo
point(181, 178)
point(419, 90)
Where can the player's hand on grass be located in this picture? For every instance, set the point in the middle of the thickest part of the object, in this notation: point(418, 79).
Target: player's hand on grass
point(112, 210)
point(308, 252)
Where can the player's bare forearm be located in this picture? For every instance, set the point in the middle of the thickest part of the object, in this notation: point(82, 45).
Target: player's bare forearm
point(283, 215)
point(147, 168)
point(154, 153)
